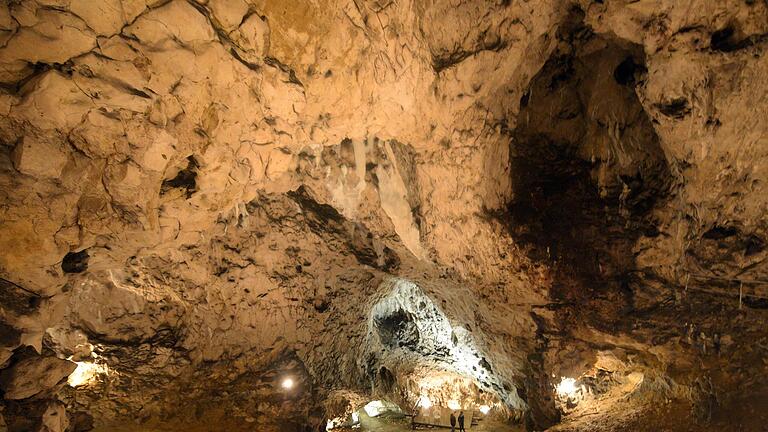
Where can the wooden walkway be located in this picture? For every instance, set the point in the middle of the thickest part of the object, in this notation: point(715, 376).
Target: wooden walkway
point(441, 416)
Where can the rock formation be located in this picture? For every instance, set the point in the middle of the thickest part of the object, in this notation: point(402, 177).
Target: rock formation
point(262, 214)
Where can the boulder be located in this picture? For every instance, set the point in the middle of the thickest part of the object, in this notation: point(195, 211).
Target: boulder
point(54, 418)
point(39, 158)
point(33, 376)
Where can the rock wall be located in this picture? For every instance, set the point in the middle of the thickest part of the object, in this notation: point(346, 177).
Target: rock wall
point(209, 197)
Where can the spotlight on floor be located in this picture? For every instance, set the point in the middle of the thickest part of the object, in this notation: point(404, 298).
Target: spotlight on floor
point(287, 383)
point(485, 409)
point(566, 387)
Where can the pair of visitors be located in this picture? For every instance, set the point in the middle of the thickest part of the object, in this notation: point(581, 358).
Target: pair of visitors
point(461, 422)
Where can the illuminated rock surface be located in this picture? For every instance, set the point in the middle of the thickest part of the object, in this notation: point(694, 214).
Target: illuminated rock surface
point(464, 201)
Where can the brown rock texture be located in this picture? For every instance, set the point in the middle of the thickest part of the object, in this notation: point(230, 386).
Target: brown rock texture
point(200, 199)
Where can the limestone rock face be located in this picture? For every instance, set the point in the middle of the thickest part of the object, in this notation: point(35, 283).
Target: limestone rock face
point(34, 375)
point(375, 199)
point(55, 418)
point(39, 158)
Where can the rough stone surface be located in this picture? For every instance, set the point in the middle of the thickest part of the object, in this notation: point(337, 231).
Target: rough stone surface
point(55, 418)
point(34, 375)
point(382, 199)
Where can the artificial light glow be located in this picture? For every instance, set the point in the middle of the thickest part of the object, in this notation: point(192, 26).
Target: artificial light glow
point(374, 408)
point(567, 387)
point(453, 404)
point(485, 409)
point(379, 407)
point(424, 402)
point(85, 373)
point(333, 423)
point(355, 417)
point(287, 383)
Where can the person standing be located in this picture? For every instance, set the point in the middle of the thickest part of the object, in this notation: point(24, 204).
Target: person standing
point(461, 422)
point(453, 422)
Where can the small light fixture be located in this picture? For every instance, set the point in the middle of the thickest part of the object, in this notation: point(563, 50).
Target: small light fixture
point(287, 383)
point(485, 409)
point(566, 387)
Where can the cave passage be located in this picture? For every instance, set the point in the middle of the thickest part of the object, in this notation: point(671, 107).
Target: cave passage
point(340, 215)
point(425, 367)
point(587, 170)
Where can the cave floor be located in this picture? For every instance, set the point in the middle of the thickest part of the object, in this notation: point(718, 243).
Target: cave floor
point(401, 425)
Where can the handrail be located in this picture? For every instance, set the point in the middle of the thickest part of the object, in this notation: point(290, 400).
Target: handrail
point(740, 281)
point(749, 281)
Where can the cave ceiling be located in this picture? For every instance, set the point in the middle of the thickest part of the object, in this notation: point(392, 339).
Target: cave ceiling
point(263, 214)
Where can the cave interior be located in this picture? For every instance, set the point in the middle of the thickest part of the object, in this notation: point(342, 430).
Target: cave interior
point(377, 215)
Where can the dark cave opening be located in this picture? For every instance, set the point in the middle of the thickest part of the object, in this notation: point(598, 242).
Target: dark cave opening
point(185, 179)
point(587, 171)
point(387, 380)
point(398, 329)
point(75, 262)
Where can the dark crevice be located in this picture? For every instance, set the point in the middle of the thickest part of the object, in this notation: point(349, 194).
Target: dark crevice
point(755, 302)
point(271, 61)
point(628, 72)
point(676, 108)
point(753, 245)
point(727, 40)
point(252, 66)
point(720, 232)
point(164, 336)
point(223, 36)
point(185, 179)
point(38, 69)
point(9, 336)
point(398, 329)
point(75, 262)
point(128, 88)
point(722, 40)
point(387, 380)
point(443, 61)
